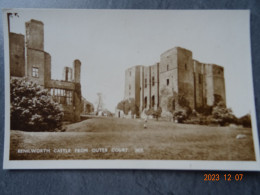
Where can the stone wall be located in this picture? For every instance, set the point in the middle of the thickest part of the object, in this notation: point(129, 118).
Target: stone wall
point(155, 85)
point(185, 76)
point(60, 85)
point(87, 107)
point(177, 74)
point(77, 70)
point(35, 60)
point(141, 107)
point(168, 77)
point(130, 83)
point(137, 87)
point(209, 85)
point(147, 87)
point(67, 74)
point(36, 65)
point(133, 82)
point(47, 67)
point(219, 82)
point(199, 84)
point(34, 35)
point(17, 55)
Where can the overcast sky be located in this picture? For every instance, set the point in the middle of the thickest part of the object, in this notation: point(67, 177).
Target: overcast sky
point(107, 42)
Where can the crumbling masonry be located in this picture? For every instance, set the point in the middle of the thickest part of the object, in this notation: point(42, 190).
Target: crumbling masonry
point(28, 59)
point(177, 73)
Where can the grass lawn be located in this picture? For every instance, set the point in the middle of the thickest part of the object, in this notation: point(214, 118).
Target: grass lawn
point(161, 140)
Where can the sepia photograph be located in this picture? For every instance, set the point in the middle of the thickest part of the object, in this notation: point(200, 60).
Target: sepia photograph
point(129, 89)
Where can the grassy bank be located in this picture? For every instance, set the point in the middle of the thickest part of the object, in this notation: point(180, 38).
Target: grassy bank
point(161, 140)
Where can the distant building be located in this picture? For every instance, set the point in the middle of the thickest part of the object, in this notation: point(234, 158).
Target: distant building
point(28, 59)
point(177, 73)
point(88, 107)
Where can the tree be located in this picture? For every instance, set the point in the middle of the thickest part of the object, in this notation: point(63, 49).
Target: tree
point(128, 105)
point(32, 107)
point(222, 115)
point(171, 104)
point(183, 110)
point(245, 120)
point(156, 113)
point(180, 115)
point(121, 105)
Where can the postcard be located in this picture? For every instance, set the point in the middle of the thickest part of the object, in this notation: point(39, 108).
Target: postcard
point(129, 89)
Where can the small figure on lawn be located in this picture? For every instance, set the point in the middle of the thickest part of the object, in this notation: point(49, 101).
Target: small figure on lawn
point(145, 123)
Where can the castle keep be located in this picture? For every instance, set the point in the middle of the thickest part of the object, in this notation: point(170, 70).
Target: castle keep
point(178, 73)
point(28, 59)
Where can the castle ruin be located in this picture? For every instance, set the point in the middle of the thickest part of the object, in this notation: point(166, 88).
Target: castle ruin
point(28, 59)
point(177, 73)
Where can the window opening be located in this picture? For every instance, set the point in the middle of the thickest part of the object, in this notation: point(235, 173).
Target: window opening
point(35, 72)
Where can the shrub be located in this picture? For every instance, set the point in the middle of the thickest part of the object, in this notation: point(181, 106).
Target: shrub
point(222, 115)
point(32, 108)
point(198, 119)
point(245, 121)
point(128, 105)
point(205, 110)
point(180, 115)
point(183, 104)
point(156, 113)
point(171, 104)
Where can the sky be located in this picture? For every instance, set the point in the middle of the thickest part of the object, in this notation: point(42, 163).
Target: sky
point(107, 42)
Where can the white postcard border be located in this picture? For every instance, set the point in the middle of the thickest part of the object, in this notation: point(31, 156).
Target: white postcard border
point(118, 164)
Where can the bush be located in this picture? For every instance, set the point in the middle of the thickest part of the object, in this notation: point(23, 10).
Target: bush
point(184, 105)
point(32, 107)
point(205, 110)
point(156, 113)
point(198, 120)
point(171, 104)
point(128, 105)
point(222, 115)
point(180, 115)
point(245, 121)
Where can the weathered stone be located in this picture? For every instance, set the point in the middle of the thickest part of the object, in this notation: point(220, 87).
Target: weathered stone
point(177, 74)
point(36, 65)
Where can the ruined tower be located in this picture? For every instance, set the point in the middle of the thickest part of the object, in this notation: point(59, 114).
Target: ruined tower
point(77, 69)
point(67, 74)
point(150, 87)
point(177, 78)
point(199, 84)
point(133, 84)
point(38, 62)
point(28, 59)
point(215, 88)
point(77, 92)
point(155, 86)
point(17, 55)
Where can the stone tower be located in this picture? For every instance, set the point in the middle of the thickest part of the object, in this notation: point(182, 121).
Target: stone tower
point(215, 89)
point(38, 62)
point(199, 84)
point(150, 87)
point(17, 55)
point(77, 92)
point(133, 84)
point(77, 69)
point(35, 35)
point(189, 82)
point(185, 76)
point(67, 74)
point(176, 76)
